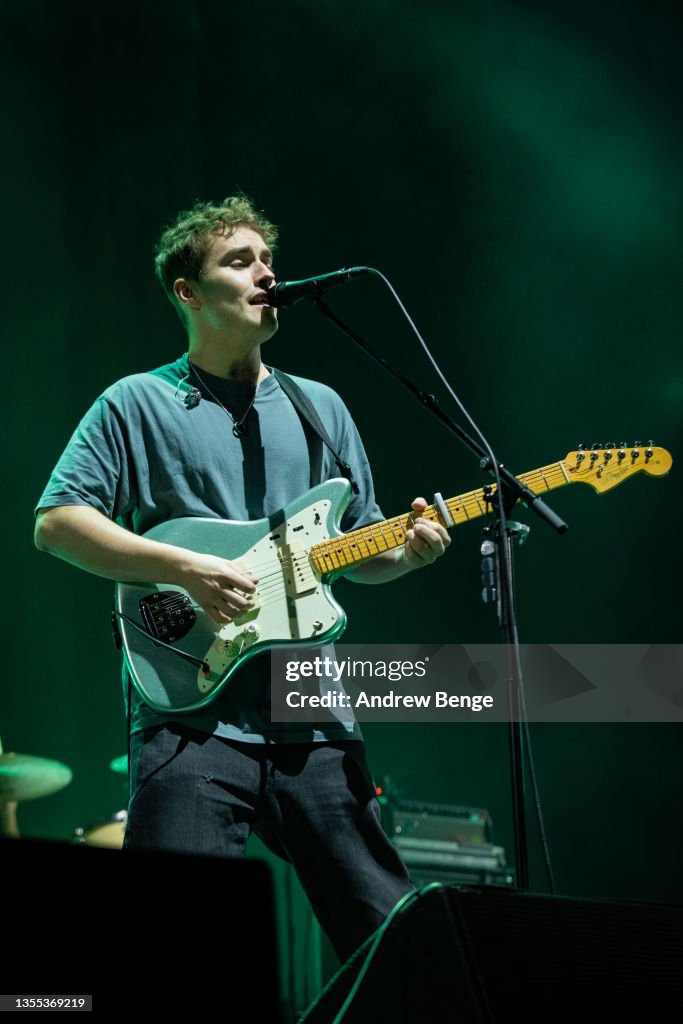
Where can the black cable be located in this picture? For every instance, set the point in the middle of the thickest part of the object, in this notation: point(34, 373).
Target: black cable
point(547, 863)
point(204, 665)
point(506, 581)
point(403, 904)
point(290, 941)
point(461, 407)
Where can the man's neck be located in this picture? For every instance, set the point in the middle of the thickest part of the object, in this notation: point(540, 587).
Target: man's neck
point(228, 361)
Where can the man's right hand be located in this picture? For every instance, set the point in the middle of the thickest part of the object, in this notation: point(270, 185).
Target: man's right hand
point(218, 586)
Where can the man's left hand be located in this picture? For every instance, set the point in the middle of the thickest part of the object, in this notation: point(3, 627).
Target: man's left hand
point(427, 541)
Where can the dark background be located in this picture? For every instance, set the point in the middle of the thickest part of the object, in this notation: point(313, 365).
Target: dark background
point(514, 168)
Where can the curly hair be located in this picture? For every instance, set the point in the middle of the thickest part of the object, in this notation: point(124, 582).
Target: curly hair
point(182, 248)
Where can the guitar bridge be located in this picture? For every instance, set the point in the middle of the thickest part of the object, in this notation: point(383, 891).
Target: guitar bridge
point(168, 615)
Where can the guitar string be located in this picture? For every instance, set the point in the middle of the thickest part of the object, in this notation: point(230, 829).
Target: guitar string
point(387, 529)
point(274, 590)
point(343, 550)
point(369, 535)
point(272, 585)
point(279, 570)
point(276, 587)
point(377, 532)
point(386, 532)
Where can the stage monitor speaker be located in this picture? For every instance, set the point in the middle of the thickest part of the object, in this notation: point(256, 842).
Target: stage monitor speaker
point(492, 955)
point(142, 932)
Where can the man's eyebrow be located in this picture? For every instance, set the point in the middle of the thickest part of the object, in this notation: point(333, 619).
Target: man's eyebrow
point(243, 249)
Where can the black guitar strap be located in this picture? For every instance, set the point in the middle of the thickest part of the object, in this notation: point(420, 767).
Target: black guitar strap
point(306, 410)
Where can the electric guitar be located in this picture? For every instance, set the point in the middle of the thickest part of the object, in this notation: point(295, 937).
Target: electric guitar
point(180, 659)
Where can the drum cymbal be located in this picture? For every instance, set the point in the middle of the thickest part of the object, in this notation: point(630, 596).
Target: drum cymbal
point(120, 764)
point(24, 777)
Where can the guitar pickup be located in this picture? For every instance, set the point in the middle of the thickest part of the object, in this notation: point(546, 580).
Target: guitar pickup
point(168, 615)
point(296, 565)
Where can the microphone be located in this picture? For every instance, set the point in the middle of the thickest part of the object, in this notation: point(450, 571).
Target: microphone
point(192, 398)
point(286, 293)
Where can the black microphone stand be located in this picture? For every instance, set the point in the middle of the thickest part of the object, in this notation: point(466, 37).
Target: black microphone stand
point(500, 553)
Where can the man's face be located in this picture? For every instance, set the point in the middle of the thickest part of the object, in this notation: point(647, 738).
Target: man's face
point(231, 291)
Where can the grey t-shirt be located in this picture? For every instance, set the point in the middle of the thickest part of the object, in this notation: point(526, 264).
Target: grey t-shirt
point(145, 452)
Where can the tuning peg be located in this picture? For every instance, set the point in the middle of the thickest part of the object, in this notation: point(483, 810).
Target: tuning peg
point(611, 444)
point(580, 447)
point(596, 446)
point(636, 444)
point(623, 444)
point(650, 443)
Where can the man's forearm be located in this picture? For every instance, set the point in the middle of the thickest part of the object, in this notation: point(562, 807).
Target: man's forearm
point(383, 568)
point(84, 537)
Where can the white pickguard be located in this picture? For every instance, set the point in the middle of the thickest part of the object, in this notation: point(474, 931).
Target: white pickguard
point(290, 601)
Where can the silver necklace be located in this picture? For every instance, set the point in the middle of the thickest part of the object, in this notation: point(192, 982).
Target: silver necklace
point(239, 427)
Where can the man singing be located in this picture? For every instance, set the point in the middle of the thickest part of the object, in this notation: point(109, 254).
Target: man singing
point(213, 434)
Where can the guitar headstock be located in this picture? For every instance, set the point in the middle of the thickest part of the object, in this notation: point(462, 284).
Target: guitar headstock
point(606, 466)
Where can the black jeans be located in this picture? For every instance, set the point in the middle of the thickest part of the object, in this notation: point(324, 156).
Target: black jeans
point(313, 803)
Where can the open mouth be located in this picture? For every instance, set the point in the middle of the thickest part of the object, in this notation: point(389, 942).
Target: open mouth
point(259, 300)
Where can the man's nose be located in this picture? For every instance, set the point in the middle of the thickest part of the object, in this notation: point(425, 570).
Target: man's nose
point(263, 274)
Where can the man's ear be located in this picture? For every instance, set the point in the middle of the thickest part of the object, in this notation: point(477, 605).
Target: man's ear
point(184, 293)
